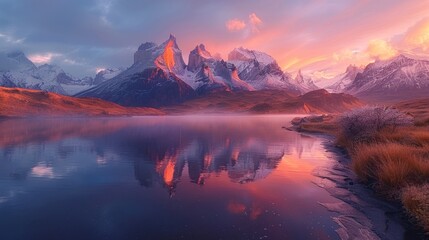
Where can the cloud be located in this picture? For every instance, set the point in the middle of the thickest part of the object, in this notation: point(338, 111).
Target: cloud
point(346, 55)
point(43, 58)
point(11, 39)
point(70, 61)
point(380, 49)
point(235, 25)
point(417, 36)
point(255, 22)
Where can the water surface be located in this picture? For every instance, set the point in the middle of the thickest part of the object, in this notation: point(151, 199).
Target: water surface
point(169, 177)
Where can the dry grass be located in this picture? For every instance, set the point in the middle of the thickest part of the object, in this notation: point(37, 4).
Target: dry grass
point(416, 202)
point(390, 166)
point(397, 164)
point(411, 136)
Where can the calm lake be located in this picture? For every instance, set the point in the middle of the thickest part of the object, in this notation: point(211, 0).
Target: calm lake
point(168, 177)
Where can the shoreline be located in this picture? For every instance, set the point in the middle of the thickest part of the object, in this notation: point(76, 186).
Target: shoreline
point(363, 208)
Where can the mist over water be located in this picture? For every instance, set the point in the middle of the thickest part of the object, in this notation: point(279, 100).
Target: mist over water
point(168, 177)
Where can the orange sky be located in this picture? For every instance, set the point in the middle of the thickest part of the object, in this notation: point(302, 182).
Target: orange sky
point(327, 48)
point(318, 36)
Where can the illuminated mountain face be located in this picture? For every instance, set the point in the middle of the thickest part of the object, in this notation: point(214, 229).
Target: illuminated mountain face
point(166, 56)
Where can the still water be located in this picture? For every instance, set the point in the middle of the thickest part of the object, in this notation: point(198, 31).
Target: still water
point(169, 177)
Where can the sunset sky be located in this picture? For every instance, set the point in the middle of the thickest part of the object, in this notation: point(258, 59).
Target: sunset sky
point(320, 37)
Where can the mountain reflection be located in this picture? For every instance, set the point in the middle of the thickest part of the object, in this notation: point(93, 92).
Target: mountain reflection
point(242, 161)
point(163, 150)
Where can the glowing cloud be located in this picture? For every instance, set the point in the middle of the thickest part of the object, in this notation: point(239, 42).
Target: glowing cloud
point(346, 54)
point(381, 49)
point(235, 25)
point(418, 35)
point(43, 58)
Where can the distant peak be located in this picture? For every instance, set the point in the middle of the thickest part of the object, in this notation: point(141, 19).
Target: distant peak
point(14, 54)
point(50, 66)
point(201, 47)
point(172, 39)
point(147, 45)
point(351, 67)
point(171, 42)
point(401, 57)
point(241, 49)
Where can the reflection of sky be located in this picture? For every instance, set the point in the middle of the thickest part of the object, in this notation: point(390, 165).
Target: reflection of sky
point(117, 177)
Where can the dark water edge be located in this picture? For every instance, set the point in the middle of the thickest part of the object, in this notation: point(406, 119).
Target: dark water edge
point(386, 218)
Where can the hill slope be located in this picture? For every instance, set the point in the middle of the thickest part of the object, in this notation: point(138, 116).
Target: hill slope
point(17, 102)
point(418, 108)
point(268, 101)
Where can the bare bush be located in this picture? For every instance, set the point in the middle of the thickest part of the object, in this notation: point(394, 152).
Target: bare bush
point(362, 125)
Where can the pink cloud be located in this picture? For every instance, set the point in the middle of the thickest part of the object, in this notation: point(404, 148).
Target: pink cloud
point(235, 25)
point(43, 58)
point(254, 19)
point(417, 36)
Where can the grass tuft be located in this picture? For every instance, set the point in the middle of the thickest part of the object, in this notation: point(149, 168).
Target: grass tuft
point(390, 166)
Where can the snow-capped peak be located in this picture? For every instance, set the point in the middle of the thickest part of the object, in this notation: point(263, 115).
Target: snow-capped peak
point(166, 56)
point(340, 82)
point(305, 84)
point(396, 77)
point(14, 61)
point(400, 59)
point(243, 54)
point(198, 57)
point(147, 45)
point(201, 49)
point(106, 74)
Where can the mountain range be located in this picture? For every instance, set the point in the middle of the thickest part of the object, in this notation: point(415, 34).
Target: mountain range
point(399, 78)
point(160, 77)
point(160, 73)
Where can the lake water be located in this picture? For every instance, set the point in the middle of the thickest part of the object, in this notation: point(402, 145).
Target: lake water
point(168, 177)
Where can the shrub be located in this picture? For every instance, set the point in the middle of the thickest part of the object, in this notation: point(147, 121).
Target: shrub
point(416, 202)
point(362, 125)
